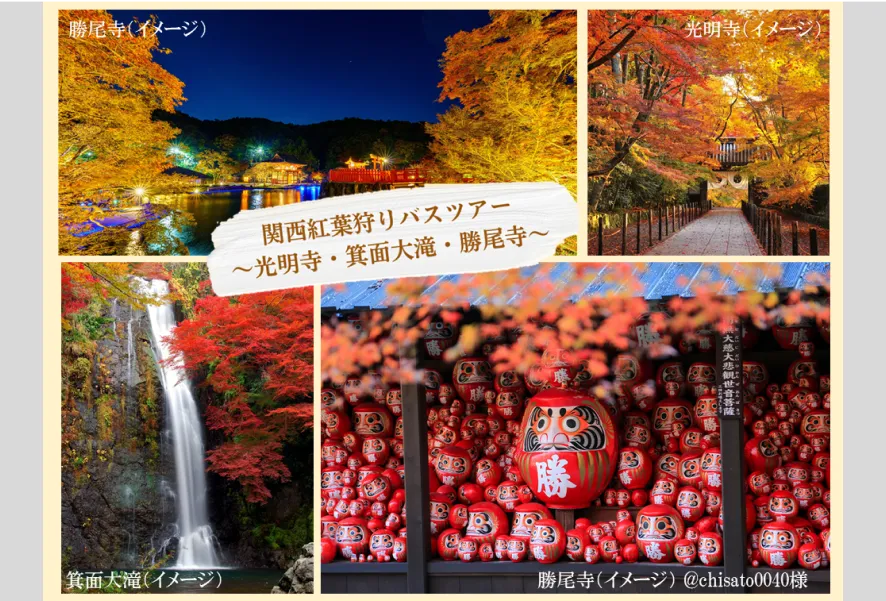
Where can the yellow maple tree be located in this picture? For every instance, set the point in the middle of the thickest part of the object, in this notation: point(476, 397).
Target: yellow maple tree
point(108, 90)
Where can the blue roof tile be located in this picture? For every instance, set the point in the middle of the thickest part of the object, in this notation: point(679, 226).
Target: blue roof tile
point(659, 280)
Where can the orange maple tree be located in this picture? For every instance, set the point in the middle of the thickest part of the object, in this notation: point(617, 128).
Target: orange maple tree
point(661, 97)
point(546, 317)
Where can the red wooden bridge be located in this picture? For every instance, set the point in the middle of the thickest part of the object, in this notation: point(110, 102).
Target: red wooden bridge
point(388, 178)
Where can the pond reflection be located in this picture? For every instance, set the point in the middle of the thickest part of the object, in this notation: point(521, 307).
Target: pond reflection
point(209, 209)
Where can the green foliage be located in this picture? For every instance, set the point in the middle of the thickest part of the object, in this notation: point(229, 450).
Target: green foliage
point(297, 532)
point(188, 280)
point(632, 185)
point(94, 326)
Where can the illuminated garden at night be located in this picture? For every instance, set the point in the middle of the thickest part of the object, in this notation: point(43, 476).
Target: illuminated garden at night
point(171, 122)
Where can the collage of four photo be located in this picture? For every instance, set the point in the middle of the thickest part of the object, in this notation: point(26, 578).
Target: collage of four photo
point(645, 411)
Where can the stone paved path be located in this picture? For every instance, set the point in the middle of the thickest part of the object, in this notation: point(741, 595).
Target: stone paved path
point(719, 232)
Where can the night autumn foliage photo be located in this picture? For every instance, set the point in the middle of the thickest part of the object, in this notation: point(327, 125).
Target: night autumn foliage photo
point(187, 423)
point(155, 148)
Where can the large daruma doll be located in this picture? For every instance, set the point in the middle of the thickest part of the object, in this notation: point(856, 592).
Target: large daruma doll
point(567, 451)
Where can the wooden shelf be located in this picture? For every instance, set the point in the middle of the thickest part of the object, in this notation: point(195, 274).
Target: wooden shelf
point(368, 567)
point(494, 568)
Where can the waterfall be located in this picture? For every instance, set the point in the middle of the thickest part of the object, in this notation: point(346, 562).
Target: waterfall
point(196, 542)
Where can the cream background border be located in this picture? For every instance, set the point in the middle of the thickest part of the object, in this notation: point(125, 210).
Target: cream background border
point(52, 544)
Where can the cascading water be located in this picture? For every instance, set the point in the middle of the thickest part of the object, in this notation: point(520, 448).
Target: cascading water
point(196, 542)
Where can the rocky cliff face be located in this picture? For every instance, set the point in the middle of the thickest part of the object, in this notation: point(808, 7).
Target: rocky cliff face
point(299, 578)
point(117, 506)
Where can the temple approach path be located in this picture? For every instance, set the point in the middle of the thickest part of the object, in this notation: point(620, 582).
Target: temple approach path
point(719, 232)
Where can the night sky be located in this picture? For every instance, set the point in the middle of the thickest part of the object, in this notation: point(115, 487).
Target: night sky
point(303, 66)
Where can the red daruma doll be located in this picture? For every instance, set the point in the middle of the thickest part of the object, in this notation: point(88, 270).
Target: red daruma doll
point(525, 516)
point(447, 544)
point(400, 549)
point(567, 449)
point(659, 527)
point(352, 537)
point(548, 541)
point(634, 468)
point(576, 541)
point(685, 552)
point(453, 466)
point(779, 544)
point(328, 550)
point(471, 378)
point(710, 549)
point(486, 521)
point(467, 549)
point(372, 419)
point(381, 545)
point(439, 337)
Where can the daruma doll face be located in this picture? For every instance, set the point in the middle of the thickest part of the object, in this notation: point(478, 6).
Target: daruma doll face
point(525, 517)
point(381, 545)
point(634, 468)
point(783, 505)
point(668, 413)
point(568, 448)
point(809, 556)
point(664, 492)
point(710, 549)
point(762, 454)
point(329, 526)
point(548, 541)
point(667, 465)
point(507, 404)
point(706, 413)
point(689, 469)
point(447, 544)
point(438, 338)
point(352, 537)
point(779, 544)
point(659, 527)
point(440, 508)
point(501, 547)
point(400, 548)
point(690, 503)
point(486, 521)
point(816, 424)
point(711, 469)
point(684, 552)
point(453, 466)
point(700, 377)
point(372, 419)
point(672, 371)
point(467, 549)
point(472, 377)
point(517, 549)
point(576, 541)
